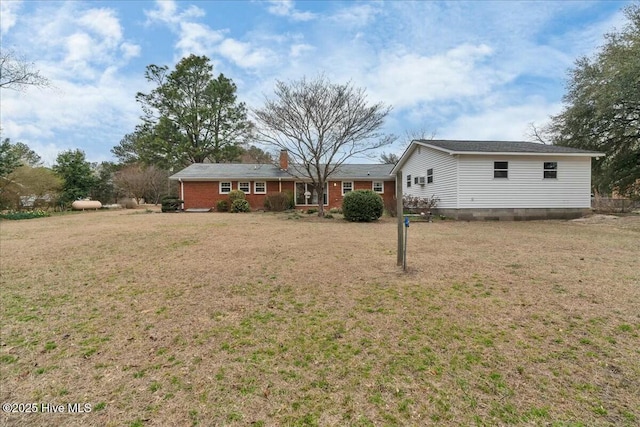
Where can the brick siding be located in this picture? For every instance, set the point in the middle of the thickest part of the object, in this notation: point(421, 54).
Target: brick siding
point(205, 194)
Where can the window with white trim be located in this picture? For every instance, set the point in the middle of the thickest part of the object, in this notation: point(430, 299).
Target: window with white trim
point(408, 181)
point(501, 169)
point(260, 187)
point(245, 187)
point(550, 170)
point(378, 186)
point(429, 176)
point(347, 186)
point(225, 187)
point(306, 194)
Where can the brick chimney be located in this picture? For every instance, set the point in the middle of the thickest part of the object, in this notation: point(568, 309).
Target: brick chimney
point(284, 160)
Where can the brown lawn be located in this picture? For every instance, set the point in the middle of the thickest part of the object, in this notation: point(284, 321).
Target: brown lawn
point(269, 319)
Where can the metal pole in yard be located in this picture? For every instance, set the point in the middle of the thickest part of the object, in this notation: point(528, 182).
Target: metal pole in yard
point(406, 231)
point(399, 207)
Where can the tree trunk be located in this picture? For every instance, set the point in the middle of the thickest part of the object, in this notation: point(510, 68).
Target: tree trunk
point(320, 191)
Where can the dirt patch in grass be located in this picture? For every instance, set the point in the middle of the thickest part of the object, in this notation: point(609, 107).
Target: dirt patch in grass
point(282, 319)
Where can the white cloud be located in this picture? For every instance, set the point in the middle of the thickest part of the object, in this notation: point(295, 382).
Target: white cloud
point(201, 39)
point(287, 8)
point(82, 51)
point(102, 22)
point(356, 16)
point(130, 50)
point(408, 79)
point(507, 122)
point(197, 38)
point(300, 49)
point(243, 54)
point(8, 15)
point(167, 11)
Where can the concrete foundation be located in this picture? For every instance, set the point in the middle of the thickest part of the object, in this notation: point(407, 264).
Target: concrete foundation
point(512, 214)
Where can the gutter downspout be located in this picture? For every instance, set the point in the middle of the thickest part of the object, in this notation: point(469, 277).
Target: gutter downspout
point(181, 192)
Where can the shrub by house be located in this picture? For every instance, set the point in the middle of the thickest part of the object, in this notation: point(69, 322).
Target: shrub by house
point(362, 206)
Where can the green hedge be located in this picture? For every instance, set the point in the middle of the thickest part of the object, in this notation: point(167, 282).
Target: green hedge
point(25, 215)
point(362, 206)
point(240, 205)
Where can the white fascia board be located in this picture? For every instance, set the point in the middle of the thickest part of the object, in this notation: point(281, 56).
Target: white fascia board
point(517, 153)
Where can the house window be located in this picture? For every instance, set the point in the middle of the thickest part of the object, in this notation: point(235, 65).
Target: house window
point(501, 169)
point(378, 186)
point(306, 194)
point(416, 180)
point(245, 187)
point(550, 170)
point(346, 187)
point(225, 187)
point(260, 187)
point(429, 176)
point(408, 181)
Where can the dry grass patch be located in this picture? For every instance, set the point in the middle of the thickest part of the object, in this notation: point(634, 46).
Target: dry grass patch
point(280, 319)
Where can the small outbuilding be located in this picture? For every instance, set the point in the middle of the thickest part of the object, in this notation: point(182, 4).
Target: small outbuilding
point(495, 180)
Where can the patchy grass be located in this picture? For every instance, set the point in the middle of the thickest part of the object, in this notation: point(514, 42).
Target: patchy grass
point(224, 319)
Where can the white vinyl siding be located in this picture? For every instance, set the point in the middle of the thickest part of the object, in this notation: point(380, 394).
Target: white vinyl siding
point(526, 186)
point(444, 182)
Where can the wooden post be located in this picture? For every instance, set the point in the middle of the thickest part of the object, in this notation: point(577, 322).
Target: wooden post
point(399, 215)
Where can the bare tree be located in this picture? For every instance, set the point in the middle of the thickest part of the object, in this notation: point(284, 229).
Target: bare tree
point(138, 182)
point(17, 73)
point(321, 125)
point(389, 158)
point(537, 135)
point(392, 158)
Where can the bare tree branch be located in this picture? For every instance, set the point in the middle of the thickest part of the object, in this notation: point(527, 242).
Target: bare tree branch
point(17, 73)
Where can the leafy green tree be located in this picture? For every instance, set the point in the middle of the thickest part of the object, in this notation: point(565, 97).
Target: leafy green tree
point(15, 155)
point(76, 172)
point(9, 158)
point(103, 188)
point(30, 186)
point(190, 117)
point(602, 111)
point(321, 125)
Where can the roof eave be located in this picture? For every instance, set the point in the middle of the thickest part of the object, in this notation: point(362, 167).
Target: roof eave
point(526, 153)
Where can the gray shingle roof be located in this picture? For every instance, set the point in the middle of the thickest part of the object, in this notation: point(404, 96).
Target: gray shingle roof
point(501, 147)
point(522, 148)
point(233, 171)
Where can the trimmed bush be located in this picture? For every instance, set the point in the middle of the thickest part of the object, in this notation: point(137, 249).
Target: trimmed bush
point(128, 203)
point(240, 205)
point(277, 202)
point(222, 206)
point(171, 204)
point(362, 206)
point(236, 195)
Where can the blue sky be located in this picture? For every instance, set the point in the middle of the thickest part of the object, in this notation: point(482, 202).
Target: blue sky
point(453, 69)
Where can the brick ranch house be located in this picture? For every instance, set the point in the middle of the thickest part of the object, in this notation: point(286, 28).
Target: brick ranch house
point(202, 185)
